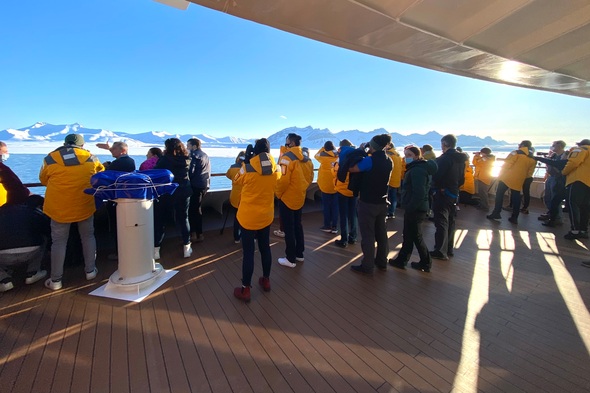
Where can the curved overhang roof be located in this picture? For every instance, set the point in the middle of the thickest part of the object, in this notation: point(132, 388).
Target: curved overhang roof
point(539, 44)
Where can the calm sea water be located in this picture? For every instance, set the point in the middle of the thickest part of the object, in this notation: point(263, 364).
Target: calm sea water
point(27, 167)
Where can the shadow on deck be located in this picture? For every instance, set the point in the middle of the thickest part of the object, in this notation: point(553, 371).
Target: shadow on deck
point(508, 313)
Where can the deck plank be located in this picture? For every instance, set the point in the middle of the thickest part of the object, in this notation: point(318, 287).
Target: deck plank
point(321, 328)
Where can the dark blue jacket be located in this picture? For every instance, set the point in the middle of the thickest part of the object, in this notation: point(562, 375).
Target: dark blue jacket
point(200, 170)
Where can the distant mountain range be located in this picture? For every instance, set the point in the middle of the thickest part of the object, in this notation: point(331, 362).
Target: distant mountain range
point(314, 138)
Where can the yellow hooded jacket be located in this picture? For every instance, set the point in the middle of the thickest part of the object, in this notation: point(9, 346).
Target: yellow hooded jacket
point(483, 168)
point(325, 177)
point(341, 187)
point(578, 166)
point(258, 180)
point(296, 176)
point(66, 172)
point(517, 167)
point(3, 195)
point(469, 184)
point(395, 180)
point(236, 189)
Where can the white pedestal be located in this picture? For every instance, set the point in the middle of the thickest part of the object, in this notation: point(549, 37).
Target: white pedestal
point(135, 237)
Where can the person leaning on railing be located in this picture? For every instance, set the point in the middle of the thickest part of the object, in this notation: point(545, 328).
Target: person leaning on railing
point(577, 182)
point(66, 172)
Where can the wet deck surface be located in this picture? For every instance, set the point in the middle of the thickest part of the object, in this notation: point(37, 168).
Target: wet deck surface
point(508, 313)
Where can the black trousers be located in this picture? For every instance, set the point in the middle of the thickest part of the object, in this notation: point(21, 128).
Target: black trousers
point(412, 235)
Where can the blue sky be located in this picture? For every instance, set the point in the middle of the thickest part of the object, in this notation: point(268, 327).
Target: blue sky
point(137, 65)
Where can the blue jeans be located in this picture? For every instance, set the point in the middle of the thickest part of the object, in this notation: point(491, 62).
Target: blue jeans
point(248, 245)
point(59, 237)
point(348, 217)
point(294, 240)
point(392, 197)
point(330, 206)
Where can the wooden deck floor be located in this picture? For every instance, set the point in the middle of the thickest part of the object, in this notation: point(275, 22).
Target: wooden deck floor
point(509, 313)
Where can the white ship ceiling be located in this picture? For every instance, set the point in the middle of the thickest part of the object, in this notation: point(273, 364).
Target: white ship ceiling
point(539, 44)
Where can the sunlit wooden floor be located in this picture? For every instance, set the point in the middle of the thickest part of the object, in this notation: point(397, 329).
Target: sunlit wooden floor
point(509, 313)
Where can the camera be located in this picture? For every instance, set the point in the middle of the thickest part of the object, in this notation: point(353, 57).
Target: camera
point(542, 154)
point(249, 153)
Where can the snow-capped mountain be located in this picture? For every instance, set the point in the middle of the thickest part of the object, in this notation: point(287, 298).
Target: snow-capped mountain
point(314, 138)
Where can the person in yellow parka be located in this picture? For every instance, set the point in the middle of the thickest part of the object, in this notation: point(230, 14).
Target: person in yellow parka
point(483, 161)
point(516, 168)
point(395, 180)
point(346, 200)
point(577, 182)
point(327, 157)
point(66, 172)
point(296, 176)
point(236, 191)
point(257, 178)
point(467, 190)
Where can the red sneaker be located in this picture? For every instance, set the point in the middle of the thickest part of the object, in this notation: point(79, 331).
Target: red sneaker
point(242, 293)
point(264, 283)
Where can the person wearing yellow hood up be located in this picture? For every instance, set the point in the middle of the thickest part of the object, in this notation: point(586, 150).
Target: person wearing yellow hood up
point(327, 157)
point(296, 176)
point(258, 178)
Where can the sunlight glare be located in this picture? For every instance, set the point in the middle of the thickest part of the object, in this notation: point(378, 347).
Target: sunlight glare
point(507, 241)
point(567, 287)
point(525, 237)
point(468, 368)
point(460, 235)
point(507, 268)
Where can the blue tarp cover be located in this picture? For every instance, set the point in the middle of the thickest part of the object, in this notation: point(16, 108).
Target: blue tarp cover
point(150, 184)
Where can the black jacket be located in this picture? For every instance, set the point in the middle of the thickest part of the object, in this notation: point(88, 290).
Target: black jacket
point(22, 226)
point(375, 182)
point(123, 164)
point(451, 173)
point(416, 185)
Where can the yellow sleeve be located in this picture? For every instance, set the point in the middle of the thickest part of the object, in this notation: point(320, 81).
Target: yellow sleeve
point(575, 158)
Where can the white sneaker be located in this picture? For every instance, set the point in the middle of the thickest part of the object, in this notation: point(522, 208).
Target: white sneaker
point(156, 253)
point(299, 259)
point(279, 233)
point(92, 275)
point(6, 286)
point(35, 277)
point(187, 250)
point(53, 285)
point(285, 262)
